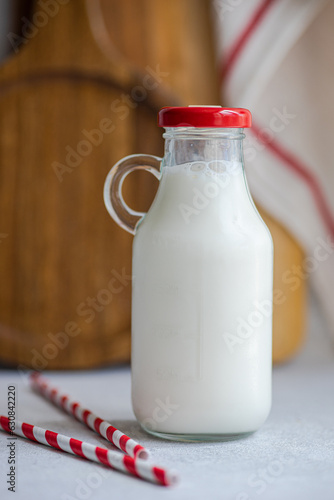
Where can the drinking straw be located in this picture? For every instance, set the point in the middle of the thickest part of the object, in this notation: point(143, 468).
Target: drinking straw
point(73, 408)
point(135, 466)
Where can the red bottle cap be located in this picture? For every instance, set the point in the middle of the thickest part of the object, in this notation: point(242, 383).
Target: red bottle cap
point(204, 116)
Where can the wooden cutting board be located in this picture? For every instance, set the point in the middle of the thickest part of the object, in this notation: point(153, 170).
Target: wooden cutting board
point(82, 92)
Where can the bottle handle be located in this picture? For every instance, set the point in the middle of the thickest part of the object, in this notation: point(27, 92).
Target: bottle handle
point(125, 217)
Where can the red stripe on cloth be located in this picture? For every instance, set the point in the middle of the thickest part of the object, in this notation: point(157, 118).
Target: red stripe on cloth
point(102, 455)
point(160, 475)
point(85, 416)
point(110, 432)
point(129, 463)
point(244, 36)
point(122, 442)
point(27, 430)
point(295, 165)
point(51, 438)
point(4, 422)
point(97, 423)
point(76, 447)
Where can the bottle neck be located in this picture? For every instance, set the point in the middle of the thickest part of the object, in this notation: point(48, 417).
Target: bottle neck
point(189, 144)
point(203, 174)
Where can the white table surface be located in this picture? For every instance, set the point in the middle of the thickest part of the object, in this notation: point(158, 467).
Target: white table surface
point(291, 457)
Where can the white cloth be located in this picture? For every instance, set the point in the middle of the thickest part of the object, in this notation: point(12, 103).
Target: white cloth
point(277, 60)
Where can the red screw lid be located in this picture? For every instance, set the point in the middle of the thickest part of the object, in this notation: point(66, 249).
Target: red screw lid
point(204, 116)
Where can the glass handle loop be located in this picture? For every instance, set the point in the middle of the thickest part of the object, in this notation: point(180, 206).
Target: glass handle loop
point(125, 217)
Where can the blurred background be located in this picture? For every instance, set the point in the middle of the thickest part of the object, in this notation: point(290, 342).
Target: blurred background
point(81, 82)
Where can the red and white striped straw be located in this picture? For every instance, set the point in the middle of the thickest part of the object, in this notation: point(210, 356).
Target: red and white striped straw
point(73, 408)
point(135, 466)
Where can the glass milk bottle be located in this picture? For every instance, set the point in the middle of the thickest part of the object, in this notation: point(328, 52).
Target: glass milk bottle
point(202, 282)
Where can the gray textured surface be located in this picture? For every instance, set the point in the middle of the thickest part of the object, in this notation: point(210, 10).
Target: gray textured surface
point(291, 457)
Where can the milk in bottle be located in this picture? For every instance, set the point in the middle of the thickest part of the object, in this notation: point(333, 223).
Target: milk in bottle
point(202, 286)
